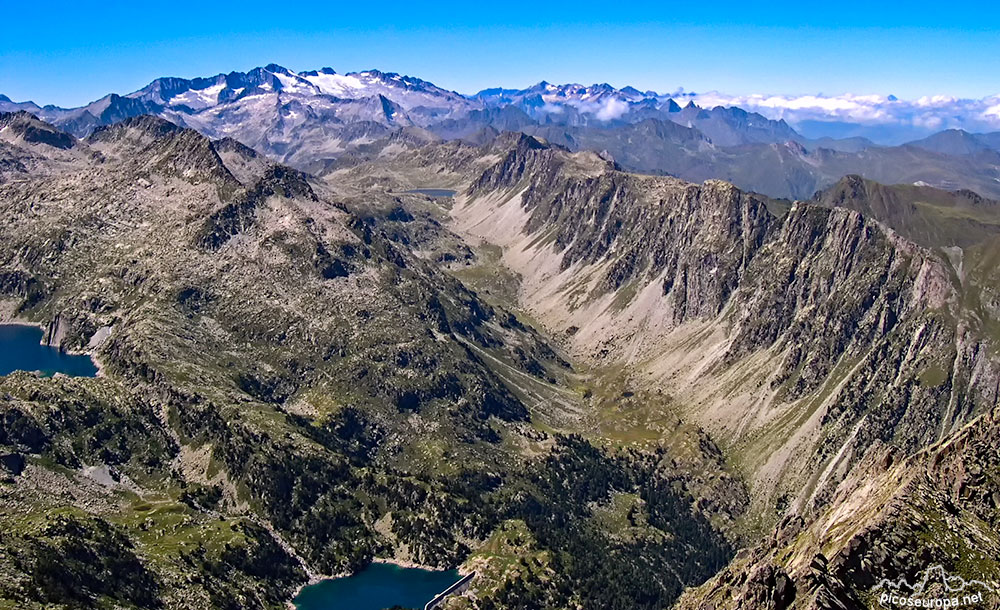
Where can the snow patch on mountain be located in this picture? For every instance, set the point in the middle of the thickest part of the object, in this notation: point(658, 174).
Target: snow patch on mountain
point(199, 99)
point(340, 85)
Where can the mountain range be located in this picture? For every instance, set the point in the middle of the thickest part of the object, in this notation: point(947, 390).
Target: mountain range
point(310, 119)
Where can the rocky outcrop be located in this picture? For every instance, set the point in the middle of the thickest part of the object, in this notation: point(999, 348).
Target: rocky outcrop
point(157, 146)
point(523, 157)
point(894, 520)
point(819, 331)
point(29, 129)
point(240, 215)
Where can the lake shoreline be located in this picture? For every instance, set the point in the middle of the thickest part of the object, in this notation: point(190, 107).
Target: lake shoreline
point(312, 580)
point(400, 563)
point(14, 321)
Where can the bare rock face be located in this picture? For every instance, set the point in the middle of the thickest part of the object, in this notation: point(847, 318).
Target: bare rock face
point(896, 520)
point(834, 290)
point(854, 374)
point(26, 128)
point(803, 335)
point(699, 239)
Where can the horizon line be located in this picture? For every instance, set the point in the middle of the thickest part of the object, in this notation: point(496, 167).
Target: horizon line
point(678, 92)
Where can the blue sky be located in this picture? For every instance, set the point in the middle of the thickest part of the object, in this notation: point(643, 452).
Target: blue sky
point(72, 53)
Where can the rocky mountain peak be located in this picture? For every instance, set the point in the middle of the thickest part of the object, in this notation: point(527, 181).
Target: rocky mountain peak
point(328, 71)
point(149, 141)
point(143, 125)
point(276, 69)
point(929, 216)
point(26, 127)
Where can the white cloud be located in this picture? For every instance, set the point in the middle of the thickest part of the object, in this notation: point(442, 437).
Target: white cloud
point(929, 112)
point(929, 122)
point(992, 112)
point(612, 109)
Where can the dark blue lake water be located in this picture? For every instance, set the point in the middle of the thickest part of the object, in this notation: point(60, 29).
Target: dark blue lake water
point(433, 192)
point(379, 586)
point(21, 350)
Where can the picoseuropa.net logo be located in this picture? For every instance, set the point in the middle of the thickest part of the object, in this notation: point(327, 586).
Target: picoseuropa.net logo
point(935, 589)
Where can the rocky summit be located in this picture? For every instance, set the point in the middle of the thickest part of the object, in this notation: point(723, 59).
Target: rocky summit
point(352, 318)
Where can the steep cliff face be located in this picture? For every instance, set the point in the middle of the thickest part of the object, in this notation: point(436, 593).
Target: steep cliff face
point(592, 214)
point(869, 338)
point(895, 519)
point(799, 337)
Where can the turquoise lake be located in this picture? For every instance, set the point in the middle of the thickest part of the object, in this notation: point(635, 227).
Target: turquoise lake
point(379, 586)
point(21, 350)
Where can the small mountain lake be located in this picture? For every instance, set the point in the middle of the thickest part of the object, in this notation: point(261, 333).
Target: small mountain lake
point(379, 586)
point(21, 349)
point(433, 192)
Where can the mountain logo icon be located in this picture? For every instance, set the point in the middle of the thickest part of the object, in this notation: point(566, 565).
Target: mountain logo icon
point(934, 588)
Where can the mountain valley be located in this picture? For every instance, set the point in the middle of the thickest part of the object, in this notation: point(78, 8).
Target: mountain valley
point(646, 356)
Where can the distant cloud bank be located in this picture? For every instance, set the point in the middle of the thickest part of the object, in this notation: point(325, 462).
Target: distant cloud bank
point(926, 113)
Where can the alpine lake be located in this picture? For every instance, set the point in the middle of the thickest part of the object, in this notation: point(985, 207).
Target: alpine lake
point(21, 349)
point(436, 193)
point(377, 587)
